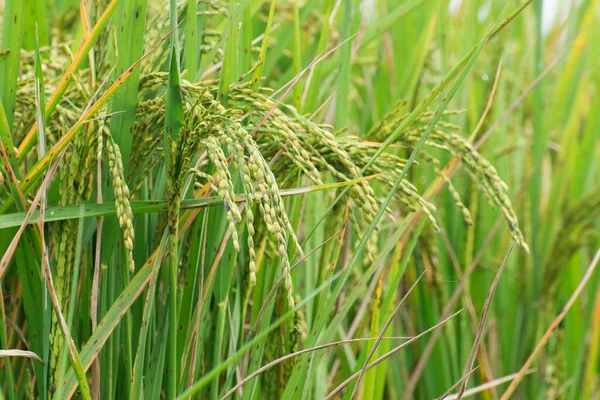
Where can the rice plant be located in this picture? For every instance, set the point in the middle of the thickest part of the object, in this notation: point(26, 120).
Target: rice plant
point(299, 199)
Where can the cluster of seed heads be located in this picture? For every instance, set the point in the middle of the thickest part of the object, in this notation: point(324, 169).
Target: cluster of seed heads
point(443, 137)
point(263, 141)
point(310, 147)
point(293, 143)
point(212, 129)
point(260, 187)
point(122, 196)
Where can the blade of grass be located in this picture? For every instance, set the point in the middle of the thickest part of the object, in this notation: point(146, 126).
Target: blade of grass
point(540, 139)
point(592, 358)
point(485, 386)
point(297, 53)
point(7, 142)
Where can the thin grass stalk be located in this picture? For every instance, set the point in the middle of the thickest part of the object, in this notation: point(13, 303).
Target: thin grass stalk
point(130, 25)
point(295, 354)
point(217, 351)
point(590, 375)
point(7, 142)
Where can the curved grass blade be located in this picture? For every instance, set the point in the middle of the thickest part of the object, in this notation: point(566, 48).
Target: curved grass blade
point(19, 353)
point(6, 139)
point(193, 40)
